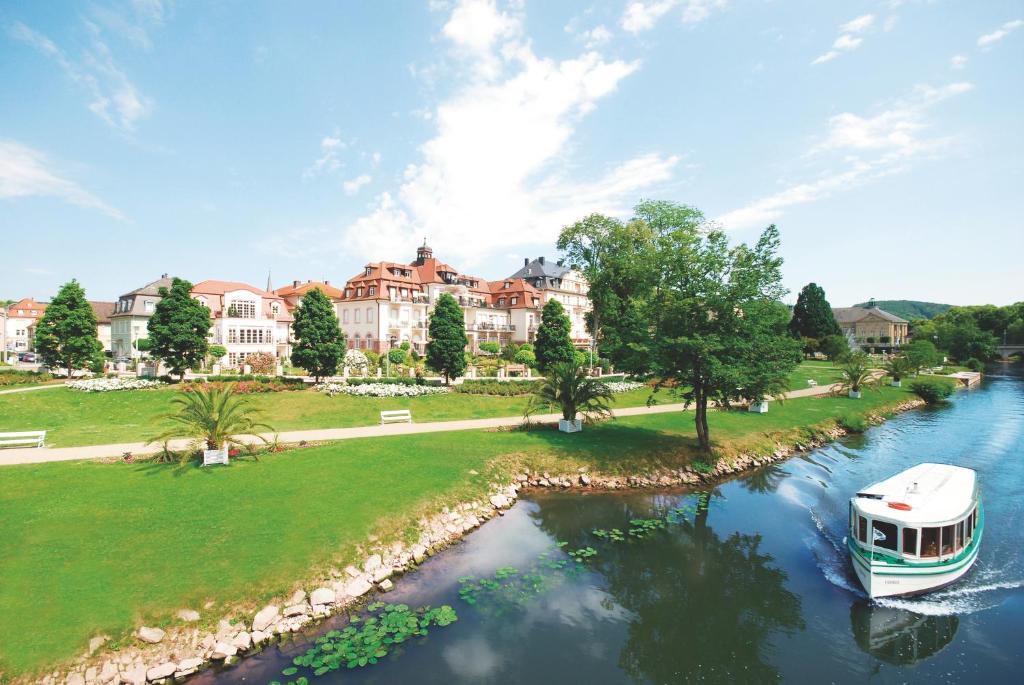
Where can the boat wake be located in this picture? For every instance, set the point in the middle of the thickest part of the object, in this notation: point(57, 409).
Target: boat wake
point(830, 556)
point(960, 600)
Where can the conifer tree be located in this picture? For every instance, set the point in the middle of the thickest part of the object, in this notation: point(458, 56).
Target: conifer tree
point(447, 345)
point(178, 328)
point(321, 343)
point(66, 336)
point(812, 315)
point(554, 342)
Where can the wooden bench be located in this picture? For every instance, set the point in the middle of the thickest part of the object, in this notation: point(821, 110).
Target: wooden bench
point(396, 416)
point(23, 439)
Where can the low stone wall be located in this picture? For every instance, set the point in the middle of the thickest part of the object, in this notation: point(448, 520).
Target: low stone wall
point(160, 656)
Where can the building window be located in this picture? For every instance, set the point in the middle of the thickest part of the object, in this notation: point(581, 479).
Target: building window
point(150, 306)
point(501, 301)
point(357, 316)
point(359, 292)
point(369, 315)
point(515, 300)
point(369, 270)
point(344, 316)
point(372, 290)
point(242, 309)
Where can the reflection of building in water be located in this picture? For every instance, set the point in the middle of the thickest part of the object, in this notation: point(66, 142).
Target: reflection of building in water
point(900, 637)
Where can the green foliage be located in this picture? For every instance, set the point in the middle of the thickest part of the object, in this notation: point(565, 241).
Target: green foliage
point(567, 387)
point(921, 354)
point(500, 388)
point(526, 357)
point(406, 345)
point(261, 363)
point(855, 372)
point(553, 344)
point(812, 315)
point(910, 309)
point(974, 364)
point(966, 332)
point(178, 328)
point(834, 346)
point(490, 347)
point(899, 367)
point(445, 350)
point(320, 342)
point(931, 391)
point(367, 640)
point(9, 377)
point(213, 416)
point(853, 423)
point(66, 335)
point(145, 345)
point(397, 356)
point(215, 352)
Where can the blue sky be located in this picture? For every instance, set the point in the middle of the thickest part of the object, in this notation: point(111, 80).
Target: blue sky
point(220, 140)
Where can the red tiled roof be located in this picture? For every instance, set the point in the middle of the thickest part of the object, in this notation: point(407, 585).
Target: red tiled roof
point(303, 288)
point(27, 305)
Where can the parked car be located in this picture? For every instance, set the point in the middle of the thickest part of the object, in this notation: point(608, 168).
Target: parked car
point(29, 357)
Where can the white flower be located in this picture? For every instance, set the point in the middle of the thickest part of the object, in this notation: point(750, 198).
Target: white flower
point(356, 361)
point(624, 386)
point(380, 389)
point(112, 384)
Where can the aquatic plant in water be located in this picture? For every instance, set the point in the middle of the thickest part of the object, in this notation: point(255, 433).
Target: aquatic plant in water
point(367, 640)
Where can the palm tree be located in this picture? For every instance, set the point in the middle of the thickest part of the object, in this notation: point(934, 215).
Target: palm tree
point(567, 386)
point(213, 416)
point(899, 368)
point(855, 373)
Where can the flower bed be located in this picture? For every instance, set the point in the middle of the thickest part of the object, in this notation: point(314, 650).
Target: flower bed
point(624, 386)
point(112, 384)
point(508, 388)
point(380, 390)
point(21, 377)
point(244, 387)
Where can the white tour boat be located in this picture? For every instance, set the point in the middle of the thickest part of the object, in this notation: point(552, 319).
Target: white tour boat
point(916, 531)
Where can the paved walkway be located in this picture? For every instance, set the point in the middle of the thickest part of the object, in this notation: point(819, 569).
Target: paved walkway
point(37, 455)
point(34, 387)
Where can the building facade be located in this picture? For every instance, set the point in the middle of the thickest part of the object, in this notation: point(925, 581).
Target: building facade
point(555, 281)
point(871, 326)
point(246, 320)
point(20, 324)
point(130, 319)
point(103, 311)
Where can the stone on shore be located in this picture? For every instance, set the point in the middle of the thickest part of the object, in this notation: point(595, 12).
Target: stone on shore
point(265, 617)
point(296, 610)
point(223, 650)
point(243, 641)
point(386, 585)
point(162, 671)
point(188, 615)
point(298, 597)
point(373, 562)
point(108, 673)
point(188, 667)
point(75, 678)
point(134, 676)
point(358, 587)
point(150, 635)
point(322, 595)
point(500, 501)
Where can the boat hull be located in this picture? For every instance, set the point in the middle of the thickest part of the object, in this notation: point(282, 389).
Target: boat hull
point(882, 579)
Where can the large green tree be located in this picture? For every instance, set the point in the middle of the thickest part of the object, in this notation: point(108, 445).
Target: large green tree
point(447, 345)
point(66, 336)
point(711, 324)
point(320, 345)
point(178, 328)
point(812, 315)
point(553, 344)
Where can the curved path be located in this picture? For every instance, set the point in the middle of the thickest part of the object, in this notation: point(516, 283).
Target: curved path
point(37, 455)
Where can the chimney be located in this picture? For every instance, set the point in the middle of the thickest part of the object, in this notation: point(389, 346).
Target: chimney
point(163, 275)
point(327, 282)
point(526, 261)
point(541, 260)
point(561, 262)
point(295, 284)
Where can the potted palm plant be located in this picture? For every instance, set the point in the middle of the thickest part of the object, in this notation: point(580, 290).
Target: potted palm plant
point(567, 387)
point(855, 373)
point(774, 389)
point(899, 368)
point(215, 418)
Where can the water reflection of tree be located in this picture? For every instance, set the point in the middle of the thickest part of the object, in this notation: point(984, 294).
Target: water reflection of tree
point(764, 480)
point(900, 637)
point(704, 607)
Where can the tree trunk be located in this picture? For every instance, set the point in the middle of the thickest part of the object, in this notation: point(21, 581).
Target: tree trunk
point(700, 418)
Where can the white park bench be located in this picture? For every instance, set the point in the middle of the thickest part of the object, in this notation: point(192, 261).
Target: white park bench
point(23, 439)
point(811, 382)
point(396, 416)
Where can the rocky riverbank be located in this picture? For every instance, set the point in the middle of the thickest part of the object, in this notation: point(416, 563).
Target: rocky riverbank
point(186, 645)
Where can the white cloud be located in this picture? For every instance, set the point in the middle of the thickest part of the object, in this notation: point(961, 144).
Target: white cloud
point(958, 61)
point(848, 39)
point(354, 185)
point(498, 161)
point(329, 160)
point(24, 172)
point(597, 36)
point(642, 16)
point(475, 25)
point(1003, 31)
point(858, 149)
point(114, 98)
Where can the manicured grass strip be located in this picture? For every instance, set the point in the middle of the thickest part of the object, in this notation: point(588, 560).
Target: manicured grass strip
point(75, 418)
point(92, 548)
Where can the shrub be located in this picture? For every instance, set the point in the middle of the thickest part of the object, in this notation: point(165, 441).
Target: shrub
point(870, 339)
point(396, 356)
point(356, 362)
point(501, 388)
point(385, 381)
point(253, 387)
point(931, 391)
point(261, 362)
point(524, 356)
point(974, 364)
point(853, 423)
point(23, 377)
point(885, 339)
point(490, 347)
point(580, 358)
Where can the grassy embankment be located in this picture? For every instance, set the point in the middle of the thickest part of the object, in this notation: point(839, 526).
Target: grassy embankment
point(96, 548)
point(75, 418)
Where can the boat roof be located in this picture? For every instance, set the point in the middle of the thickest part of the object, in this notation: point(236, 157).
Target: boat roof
point(936, 493)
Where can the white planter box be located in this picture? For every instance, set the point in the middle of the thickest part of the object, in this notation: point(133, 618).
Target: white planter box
point(215, 456)
point(570, 426)
point(855, 394)
point(897, 384)
point(759, 407)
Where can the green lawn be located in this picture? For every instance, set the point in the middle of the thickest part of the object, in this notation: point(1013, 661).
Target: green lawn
point(75, 418)
point(93, 548)
point(825, 373)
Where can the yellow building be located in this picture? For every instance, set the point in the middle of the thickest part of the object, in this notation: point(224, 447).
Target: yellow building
point(871, 326)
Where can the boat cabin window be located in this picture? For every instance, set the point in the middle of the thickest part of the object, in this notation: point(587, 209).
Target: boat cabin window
point(929, 542)
point(970, 526)
point(883, 534)
point(862, 529)
point(960, 536)
point(910, 541)
point(947, 539)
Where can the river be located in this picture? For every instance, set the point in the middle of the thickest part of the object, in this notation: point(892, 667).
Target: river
point(747, 583)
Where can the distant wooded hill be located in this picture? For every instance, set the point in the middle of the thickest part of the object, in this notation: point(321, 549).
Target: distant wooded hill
point(910, 309)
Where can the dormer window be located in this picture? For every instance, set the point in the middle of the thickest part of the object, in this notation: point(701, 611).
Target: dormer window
point(501, 301)
point(348, 292)
point(508, 284)
point(369, 270)
point(359, 292)
point(372, 290)
point(515, 300)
